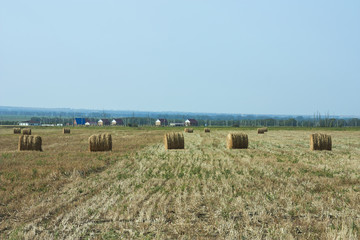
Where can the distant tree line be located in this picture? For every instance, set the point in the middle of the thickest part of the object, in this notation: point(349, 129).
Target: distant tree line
point(317, 121)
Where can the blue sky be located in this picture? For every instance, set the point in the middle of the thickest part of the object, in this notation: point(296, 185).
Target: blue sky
point(261, 57)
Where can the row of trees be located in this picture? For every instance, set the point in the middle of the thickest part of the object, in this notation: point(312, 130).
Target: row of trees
point(143, 121)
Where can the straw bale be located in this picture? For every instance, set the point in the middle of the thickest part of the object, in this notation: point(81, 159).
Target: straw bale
point(66, 130)
point(319, 141)
point(27, 142)
point(174, 140)
point(100, 142)
point(189, 130)
point(17, 130)
point(26, 131)
point(237, 140)
point(261, 130)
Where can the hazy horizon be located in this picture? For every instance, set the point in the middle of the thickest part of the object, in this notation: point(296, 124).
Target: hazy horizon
point(230, 57)
point(187, 112)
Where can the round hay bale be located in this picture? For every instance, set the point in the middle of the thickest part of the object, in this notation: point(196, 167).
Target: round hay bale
point(32, 143)
point(207, 130)
point(66, 131)
point(93, 143)
point(189, 130)
point(107, 142)
point(237, 141)
point(261, 130)
point(319, 141)
point(174, 140)
point(17, 130)
point(100, 142)
point(26, 131)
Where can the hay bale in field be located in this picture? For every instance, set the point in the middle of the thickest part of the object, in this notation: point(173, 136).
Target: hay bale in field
point(27, 142)
point(189, 130)
point(207, 130)
point(174, 140)
point(66, 130)
point(17, 130)
point(26, 131)
point(262, 130)
point(100, 142)
point(319, 141)
point(237, 140)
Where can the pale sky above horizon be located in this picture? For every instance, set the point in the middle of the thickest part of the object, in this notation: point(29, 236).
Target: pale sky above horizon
point(254, 57)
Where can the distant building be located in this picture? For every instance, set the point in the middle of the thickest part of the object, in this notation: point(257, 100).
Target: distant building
point(191, 122)
point(117, 121)
point(79, 121)
point(104, 122)
point(90, 123)
point(30, 123)
point(161, 122)
point(177, 124)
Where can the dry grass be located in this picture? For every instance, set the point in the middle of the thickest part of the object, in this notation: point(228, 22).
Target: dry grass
point(27, 176)
point(276, 189)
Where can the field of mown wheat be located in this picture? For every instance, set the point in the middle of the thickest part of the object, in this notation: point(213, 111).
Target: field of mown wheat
point(275, 189)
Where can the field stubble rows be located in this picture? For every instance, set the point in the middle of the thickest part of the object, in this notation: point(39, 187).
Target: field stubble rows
point(277, 188)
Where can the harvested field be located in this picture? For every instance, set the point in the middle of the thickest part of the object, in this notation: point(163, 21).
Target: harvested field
point(276, 189)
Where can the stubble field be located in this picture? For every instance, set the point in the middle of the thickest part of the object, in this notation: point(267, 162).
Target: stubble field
point(276, 189)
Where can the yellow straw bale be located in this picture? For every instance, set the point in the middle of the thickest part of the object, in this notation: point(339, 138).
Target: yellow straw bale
point(26, 131)
point(174, 140)
point(27, 142)
point(66, 131)
point(237, 140)
point(319, 141)
point(189, 130)
point(17, 130)
point(100, 142)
